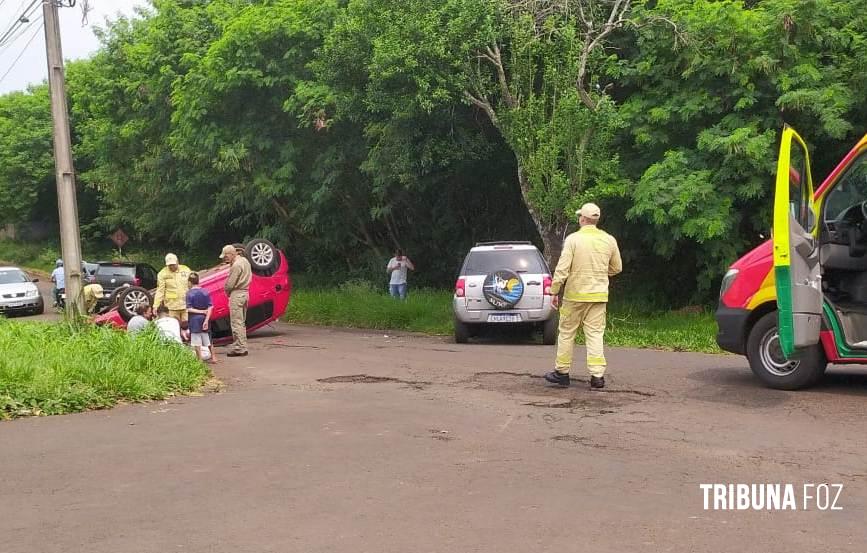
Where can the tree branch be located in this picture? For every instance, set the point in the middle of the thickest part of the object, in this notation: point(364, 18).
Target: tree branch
point(484, 105)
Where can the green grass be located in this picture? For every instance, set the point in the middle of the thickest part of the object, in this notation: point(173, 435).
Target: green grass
point(50, 369)
point(361, 305)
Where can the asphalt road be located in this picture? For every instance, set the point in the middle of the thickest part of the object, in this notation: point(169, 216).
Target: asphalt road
point(338, 441)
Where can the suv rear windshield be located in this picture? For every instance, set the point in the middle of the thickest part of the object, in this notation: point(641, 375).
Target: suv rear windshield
point(521, 261)
point(116, 271)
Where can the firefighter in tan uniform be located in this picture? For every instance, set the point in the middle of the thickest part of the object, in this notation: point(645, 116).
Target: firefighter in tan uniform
point(173, 283)
point(237, 289)
point(589, 257)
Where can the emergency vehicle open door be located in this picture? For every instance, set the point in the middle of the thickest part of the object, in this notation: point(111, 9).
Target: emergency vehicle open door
point(796, 252)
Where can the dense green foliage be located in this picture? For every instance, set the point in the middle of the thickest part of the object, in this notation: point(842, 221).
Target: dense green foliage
point(357, 305)
point(342, 129)
point(52, 369)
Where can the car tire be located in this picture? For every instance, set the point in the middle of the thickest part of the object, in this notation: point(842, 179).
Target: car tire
point(769, 365)
point(130, 298)
point(462, 332)
point(40, 307)
point(550, 330)
point(262, 255)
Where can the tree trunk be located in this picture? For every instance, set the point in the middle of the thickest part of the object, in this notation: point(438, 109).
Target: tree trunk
point(551, 234)
point(552, 239)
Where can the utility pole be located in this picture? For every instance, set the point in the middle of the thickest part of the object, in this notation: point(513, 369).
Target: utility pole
point(70, 242)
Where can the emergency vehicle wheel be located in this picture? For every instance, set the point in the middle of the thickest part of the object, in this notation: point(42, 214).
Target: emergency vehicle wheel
point(770, 365)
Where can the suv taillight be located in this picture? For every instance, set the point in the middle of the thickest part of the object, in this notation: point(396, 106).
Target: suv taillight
point(460, 288)
point(546, 285)
point(136, 281)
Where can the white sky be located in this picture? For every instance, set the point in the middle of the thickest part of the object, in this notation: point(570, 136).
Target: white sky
point(78, 42)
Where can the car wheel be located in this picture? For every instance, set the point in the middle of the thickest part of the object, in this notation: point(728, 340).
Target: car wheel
point(462, 332)
point(770, 365)
point(130, 298)
point(263, 256)
point(40, 307)
point(550, 330)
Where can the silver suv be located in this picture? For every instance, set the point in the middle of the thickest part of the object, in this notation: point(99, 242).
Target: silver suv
point(504, 283)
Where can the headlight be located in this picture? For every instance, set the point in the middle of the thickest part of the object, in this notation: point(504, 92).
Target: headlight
point(32, 294)
point(727, 281)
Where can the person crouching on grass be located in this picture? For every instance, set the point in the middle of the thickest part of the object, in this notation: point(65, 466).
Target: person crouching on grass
point(200, 307)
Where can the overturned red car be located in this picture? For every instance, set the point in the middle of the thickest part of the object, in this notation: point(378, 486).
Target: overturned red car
point(270, 291)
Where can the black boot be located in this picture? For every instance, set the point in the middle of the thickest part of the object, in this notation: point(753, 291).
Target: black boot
point(597, 382)
point(556, 377)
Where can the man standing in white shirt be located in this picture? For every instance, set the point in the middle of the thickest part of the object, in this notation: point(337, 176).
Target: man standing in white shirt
point(398, 267)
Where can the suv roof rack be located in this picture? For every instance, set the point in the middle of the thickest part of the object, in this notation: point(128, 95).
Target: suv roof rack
point(506, 243)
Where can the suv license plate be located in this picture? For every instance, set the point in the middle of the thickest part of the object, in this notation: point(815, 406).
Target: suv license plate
point(505, 318)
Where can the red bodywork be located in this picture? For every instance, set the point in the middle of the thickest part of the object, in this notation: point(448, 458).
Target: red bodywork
point(276, 288)
point(754, 282)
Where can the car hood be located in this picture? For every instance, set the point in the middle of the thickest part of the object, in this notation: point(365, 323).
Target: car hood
point(17, 288)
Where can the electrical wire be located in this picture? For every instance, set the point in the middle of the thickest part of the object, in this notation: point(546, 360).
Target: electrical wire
point(23, 31)
point(11, 67)
point(19, 21)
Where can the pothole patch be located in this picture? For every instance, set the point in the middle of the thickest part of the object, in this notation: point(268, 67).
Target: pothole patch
point(368, 379)
point(577, 440)
point(574, 398)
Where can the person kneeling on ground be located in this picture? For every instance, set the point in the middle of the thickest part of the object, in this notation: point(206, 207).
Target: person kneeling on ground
point(199, 307)
point(92, 294)
point(143, 315)
point(169, 327)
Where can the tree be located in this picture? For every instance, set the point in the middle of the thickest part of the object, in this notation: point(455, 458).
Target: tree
point(26, 157)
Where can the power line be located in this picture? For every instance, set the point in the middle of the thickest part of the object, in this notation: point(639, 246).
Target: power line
point(20, 20)
point(12, 40)
point(11, 67)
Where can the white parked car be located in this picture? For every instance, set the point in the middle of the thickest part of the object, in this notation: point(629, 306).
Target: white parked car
point(18, 293)
point(504, 283)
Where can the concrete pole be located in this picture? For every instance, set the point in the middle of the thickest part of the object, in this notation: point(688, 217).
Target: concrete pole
point(70, 242)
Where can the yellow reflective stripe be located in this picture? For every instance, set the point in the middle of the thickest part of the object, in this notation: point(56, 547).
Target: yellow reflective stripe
point(595, 360)
point(590, 296)
point(782, 199)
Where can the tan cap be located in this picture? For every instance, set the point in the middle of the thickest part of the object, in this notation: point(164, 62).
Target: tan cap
point(590, 211)
point(171, 259)
point(227, 249)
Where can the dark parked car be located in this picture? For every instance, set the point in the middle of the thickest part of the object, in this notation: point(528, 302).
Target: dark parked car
point(114, 276)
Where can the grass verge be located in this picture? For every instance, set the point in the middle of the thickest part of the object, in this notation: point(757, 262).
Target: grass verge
point(51, 369)
point(360, 305)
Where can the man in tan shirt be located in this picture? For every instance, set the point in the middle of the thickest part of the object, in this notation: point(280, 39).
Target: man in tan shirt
point(237, 290)
point(589, 257)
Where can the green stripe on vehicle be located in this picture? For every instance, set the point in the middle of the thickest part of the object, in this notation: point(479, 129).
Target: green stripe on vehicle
point(785, 321)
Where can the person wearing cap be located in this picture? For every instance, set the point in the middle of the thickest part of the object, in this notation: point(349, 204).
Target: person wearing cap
point(589, 257)
point(237, 290)
point(172, 287)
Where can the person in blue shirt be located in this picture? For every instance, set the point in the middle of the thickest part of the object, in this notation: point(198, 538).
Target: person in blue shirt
point(199, 308)
point(58, 277)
